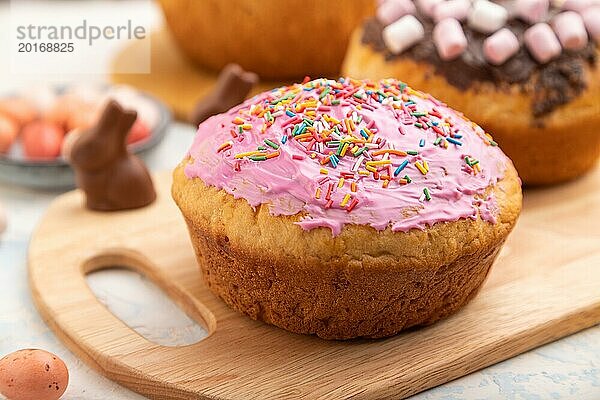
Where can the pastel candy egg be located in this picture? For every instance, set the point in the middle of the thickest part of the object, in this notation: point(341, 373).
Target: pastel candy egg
point(532, 11)
point(500, 46)
point(8, 133)
point(457, 9)
point(402, 34)
point(392, 10)
point(487, 17)
point(21, 110)
point(42, 140)
point(449, 39)
point(62, 109)
point(33, 375)
point(542, 43)
point(591, 19)
point(139, 132)
point(570, 29)
point(427, 6)
point(147, 112)
point(83, 116)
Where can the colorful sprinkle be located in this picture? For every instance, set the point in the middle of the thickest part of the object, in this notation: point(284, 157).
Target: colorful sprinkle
point(258, 158)
point(400, 167)
point(454, 141)
point(421, 167)
point(225, 146)
point(345, 200)
point(427, 194)
point(352, 204)
point(272, 144)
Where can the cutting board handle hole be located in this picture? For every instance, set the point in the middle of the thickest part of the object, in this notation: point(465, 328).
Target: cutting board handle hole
point(142, 305)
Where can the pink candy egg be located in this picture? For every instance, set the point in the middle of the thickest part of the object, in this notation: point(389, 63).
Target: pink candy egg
point(139, 131)
point(500, 46)
point(8, 133)
point(62, 109)
point(449, 39)
point(84, 117)
point(21, 110)
point(33, 375)
point(42, 140)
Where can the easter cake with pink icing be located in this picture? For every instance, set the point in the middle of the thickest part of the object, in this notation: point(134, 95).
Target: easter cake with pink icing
point(346, 208)
point(525, 70)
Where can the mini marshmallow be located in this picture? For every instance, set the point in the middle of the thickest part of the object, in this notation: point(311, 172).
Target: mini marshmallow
point(402, 34)
point(542, 43)
point(449, 39)
point(391, 10)
point(532, 11)
point(570, 30)
point(577, 5)
point(591, 19)
point(501, 46)
point(487, 17)
point(427, 6)
point(457, 9)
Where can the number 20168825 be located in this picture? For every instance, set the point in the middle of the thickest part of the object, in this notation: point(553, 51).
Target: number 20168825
point(26, 47)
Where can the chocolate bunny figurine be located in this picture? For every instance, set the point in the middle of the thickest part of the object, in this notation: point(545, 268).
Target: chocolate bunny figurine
point(111, 177)
point(231, 89)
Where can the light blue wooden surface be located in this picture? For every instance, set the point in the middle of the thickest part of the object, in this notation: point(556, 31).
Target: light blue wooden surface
point(566, 369)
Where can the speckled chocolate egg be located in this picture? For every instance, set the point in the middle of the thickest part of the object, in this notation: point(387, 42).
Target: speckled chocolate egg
point(33, 375)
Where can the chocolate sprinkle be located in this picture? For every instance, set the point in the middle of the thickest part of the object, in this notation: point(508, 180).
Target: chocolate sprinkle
point(553, 84)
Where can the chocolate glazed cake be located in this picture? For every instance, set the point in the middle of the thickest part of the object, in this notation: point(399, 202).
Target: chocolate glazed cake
point(524, 70)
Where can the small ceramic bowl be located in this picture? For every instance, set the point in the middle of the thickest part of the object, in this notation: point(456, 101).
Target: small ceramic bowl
point(57, 174)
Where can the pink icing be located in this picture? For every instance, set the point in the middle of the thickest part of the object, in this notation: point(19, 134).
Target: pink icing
point(288, 183)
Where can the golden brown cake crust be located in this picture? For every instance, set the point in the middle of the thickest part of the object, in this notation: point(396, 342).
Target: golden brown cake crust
point(276, 39)
point(362, 283)
point(561, 146)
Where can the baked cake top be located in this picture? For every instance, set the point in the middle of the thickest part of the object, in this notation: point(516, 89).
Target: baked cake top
point(544, 46)
point(351, 152)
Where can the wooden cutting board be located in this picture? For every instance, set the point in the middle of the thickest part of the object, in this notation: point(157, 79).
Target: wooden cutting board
point(545, 285)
